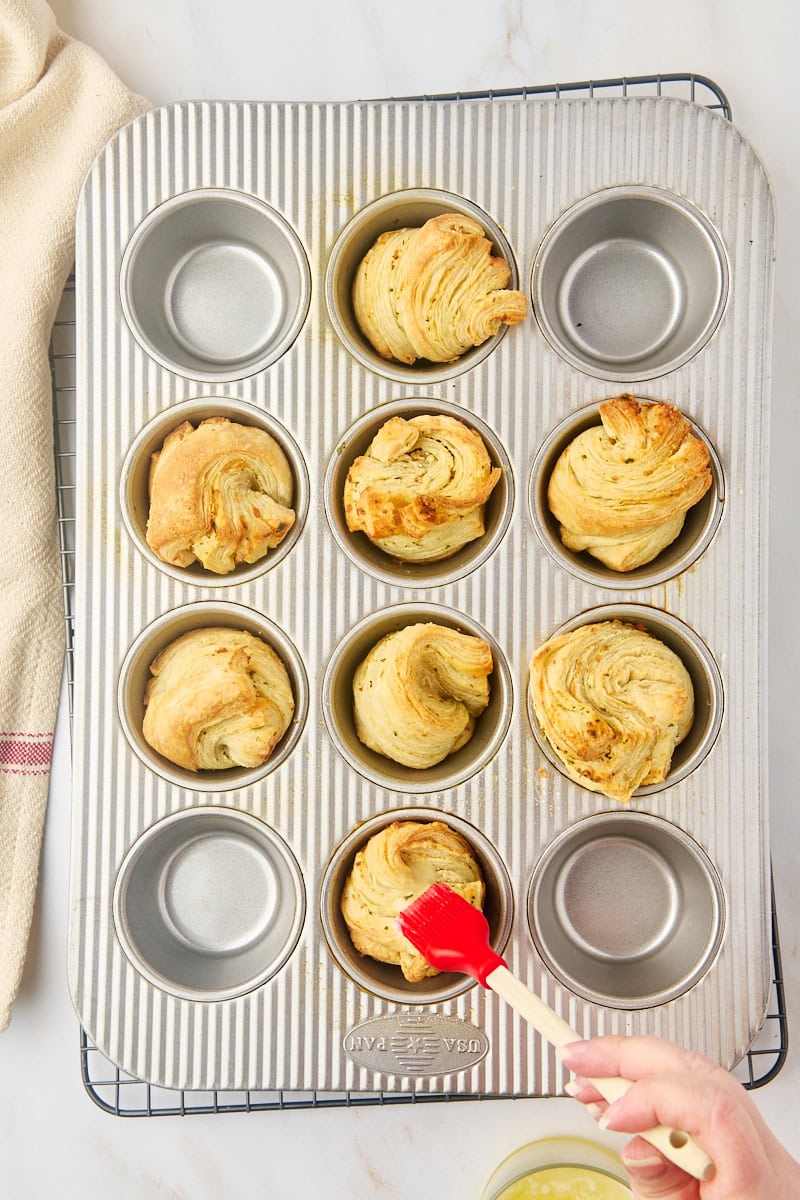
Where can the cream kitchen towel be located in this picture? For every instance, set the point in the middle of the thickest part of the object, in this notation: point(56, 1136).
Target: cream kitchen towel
point(59, 103)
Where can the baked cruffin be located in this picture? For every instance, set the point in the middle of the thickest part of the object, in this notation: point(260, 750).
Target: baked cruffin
point(218, 698)
point(418, 692)
point(621, 490)
point(419, 491)
point(395, 866)
point(613, 702)
point(220, 493)
point(433, 292)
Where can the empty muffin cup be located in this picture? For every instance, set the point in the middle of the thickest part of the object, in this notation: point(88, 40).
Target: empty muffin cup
point(374, 560)
point(135, 475)
point(337, 703)
point(401, 210)
point(135, 676)
point(698, 661)
point(630, 283)
point(626, 910)
point(209, 903)
point(384, 979)
point(702, 520)
point(215, 284)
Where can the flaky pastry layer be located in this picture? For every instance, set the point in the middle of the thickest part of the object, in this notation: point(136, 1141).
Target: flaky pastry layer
point(220, 493)
point(218, 698)
point(396, 865)
point(418, 692)
point(420, 489)
point(621, 490)
point(433, 292)
point(613, 702)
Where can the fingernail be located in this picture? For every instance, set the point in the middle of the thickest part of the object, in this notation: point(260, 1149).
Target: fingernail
point(596, 1110)
point(607, 1117)
point(636, 1163)
point(572, 1087)
point(563, 1053)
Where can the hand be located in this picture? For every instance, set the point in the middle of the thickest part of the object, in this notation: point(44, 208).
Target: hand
point(681, 1089)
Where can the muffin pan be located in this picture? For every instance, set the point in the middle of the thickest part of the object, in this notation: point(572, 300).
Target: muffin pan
point(215, 284)
point(216, 249)
point(630, 283)
point(175, 937)
point(626, 910)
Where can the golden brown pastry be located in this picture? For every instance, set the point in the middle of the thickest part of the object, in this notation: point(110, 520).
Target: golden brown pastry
point(398, 864)
point(220, 493)
point(218, 698)
point(433, 292)
point(418, 692)
point(613, 702)
point(621, 491)
point(419, 491)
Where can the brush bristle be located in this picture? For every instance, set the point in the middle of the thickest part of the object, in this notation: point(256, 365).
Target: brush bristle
point(449, 933)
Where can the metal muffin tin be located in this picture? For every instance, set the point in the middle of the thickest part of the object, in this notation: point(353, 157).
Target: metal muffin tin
point(179, 941)
point(171, 977)
point(665, 896)
point(630, 282)
point(215, 284)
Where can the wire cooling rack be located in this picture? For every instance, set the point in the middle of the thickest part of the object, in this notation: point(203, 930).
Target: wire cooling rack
point(112, 1088)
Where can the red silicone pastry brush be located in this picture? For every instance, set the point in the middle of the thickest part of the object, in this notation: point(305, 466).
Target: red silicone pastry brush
point(453, 936)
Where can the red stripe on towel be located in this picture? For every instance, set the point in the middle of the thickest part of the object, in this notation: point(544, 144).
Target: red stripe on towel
point(31, 750)
point(4, 733)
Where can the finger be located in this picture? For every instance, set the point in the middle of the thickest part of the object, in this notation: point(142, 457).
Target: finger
point(652, 1176)
point(695, 1096)
point(631, 1057)
point(584, 1091)
point(723, 1121)
point(697, 1105)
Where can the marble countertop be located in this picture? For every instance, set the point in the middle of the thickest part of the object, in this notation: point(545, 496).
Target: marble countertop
point(52, 1138)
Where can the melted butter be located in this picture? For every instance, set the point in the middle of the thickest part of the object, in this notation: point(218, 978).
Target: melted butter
point(566, 1183)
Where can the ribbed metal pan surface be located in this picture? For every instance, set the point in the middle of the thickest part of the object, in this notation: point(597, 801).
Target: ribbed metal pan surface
point(522, 163)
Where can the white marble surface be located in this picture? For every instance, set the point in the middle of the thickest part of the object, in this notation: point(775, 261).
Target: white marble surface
point(52, 1138)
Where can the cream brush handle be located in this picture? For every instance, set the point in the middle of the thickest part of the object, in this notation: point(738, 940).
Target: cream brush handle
point(674, 1144)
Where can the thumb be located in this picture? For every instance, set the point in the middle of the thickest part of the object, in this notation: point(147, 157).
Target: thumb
point(652, 1176)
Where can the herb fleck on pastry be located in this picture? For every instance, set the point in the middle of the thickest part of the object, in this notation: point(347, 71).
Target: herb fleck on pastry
point(419, 691)
point(419, 491)
point(433, 292)
point(220, 493)
point(621, 490)
point(613, 702)
point(396, 865)
point(218, 698)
